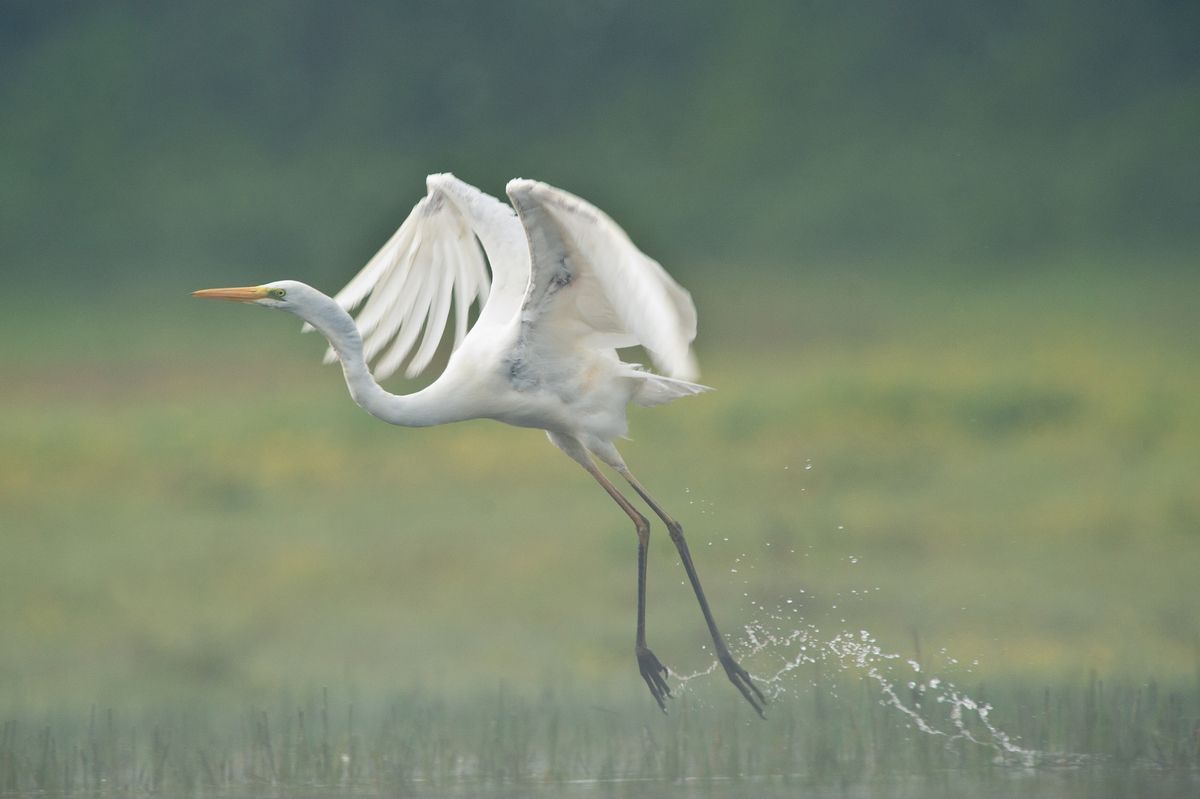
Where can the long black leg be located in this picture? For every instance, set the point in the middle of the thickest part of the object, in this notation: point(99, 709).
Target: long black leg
point(653, 672)
point(737, 675)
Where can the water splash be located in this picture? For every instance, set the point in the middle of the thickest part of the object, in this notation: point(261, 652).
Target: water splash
point(859, 652)
point(967, 719)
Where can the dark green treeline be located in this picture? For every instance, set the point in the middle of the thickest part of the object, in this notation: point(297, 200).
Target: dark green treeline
point(146, 138)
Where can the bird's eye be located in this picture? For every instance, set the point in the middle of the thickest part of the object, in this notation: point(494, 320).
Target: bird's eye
point(278, 293)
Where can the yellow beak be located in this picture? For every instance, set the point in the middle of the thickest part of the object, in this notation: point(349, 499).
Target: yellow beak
point(245, 294)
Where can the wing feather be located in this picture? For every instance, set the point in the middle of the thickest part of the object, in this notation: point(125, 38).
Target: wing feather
point(439, 309)
point(591, 283)
point(463, 297)
point(431, 264)
point(395, 286)
point(409, 319)
point(503, 239)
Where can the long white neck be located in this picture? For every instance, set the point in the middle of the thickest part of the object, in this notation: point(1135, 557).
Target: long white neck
point(422, 409)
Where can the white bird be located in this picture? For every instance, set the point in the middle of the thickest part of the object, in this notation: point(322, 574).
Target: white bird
point(568, 288)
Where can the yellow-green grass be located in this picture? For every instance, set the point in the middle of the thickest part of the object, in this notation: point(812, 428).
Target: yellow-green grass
point(1003, 469)
point(835, 738)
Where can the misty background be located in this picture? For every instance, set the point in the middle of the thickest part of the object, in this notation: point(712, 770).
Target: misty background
point(144, 141)
point(944, 256)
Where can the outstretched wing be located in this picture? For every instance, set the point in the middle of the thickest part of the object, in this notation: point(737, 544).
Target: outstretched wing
point(591, 284)
point(432, 262)
point(496, 226)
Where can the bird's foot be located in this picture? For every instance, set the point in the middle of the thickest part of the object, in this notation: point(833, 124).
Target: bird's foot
point(655, 675)
point(738, 676)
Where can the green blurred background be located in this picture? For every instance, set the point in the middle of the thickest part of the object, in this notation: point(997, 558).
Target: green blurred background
point(943, 254)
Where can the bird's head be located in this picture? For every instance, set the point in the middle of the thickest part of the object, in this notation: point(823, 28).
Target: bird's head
point(318, 311)
point(283, 295)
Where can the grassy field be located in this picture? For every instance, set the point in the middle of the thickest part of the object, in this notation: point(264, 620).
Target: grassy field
point(995, 478)
point(835, 739)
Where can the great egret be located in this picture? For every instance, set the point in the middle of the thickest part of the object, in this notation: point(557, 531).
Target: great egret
point(568, 289)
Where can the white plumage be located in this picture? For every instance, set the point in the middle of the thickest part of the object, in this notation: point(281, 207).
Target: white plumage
point(567, 289)
point(620, 297)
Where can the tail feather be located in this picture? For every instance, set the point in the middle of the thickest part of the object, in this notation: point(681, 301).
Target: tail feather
point(659, 389)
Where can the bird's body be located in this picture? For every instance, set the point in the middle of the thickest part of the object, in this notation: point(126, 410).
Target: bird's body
point(582, 393)
point(567, 290)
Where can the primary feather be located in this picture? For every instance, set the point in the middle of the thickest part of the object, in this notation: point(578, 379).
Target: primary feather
point(432, 263)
